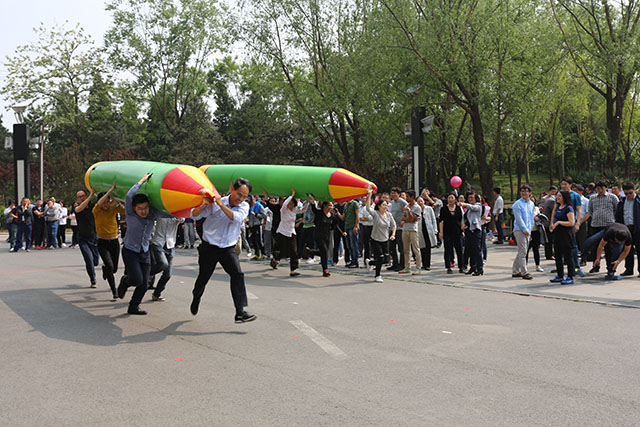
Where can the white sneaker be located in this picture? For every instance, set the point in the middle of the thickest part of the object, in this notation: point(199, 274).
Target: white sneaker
point(311, 261)
point(539, 269)
point(248, 254)
point(64, 245)
point(379, 279)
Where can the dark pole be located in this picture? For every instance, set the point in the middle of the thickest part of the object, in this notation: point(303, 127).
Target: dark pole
point(417, 148)
point(21, 160)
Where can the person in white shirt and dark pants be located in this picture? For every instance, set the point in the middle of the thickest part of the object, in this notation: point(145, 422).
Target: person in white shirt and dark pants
point(220, 232)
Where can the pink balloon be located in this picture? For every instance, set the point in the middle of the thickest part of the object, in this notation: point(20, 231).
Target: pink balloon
point(455, 181)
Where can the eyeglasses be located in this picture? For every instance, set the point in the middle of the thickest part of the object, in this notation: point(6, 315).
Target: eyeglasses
point(628, 193)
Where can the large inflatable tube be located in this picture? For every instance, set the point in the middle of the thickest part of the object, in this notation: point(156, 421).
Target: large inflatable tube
point(175, 189)
point(326, 184)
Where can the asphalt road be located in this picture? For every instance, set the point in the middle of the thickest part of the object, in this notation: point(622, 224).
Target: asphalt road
point(338, 351)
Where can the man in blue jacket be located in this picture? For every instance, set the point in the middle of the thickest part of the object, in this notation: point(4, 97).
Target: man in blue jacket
point(628, 213)
point(522, 224)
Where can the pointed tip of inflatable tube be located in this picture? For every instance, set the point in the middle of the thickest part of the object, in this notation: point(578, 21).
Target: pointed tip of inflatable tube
point(345, 185)
point(87, 175)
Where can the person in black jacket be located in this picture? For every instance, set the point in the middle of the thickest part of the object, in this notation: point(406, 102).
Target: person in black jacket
point(23, 217)
point(628, 213)
point(325, 221)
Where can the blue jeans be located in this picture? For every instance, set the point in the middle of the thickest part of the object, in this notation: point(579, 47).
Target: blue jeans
point(23, 230)
point(52, 226)
point(612, 252)
point(89, 250)
point(352, 241)
point(162, 262)
point(589, 245)
point(137, 266)
point(11, 228)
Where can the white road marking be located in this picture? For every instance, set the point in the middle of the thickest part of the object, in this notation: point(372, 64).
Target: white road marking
point(319, 339)
point(251, 296)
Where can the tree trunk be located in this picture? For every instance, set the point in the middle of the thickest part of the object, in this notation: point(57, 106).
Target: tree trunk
point(486, 175)
point(510, 174)
point(550, 146)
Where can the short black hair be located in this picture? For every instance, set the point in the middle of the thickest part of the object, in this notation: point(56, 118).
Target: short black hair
point(242, 181)
point(525, 187)
point(580, 188)
point(496, 190)
point(615, 184)
point(83, 190)
point(601, 184)
point(139, 199)
point(396, 189)
point(100, 194)
point(411, 193)
point(628, 185)
point(591, 186)
point(553, 187)
point(568, 180)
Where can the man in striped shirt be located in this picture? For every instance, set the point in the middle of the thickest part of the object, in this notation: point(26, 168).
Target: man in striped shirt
point(602, 211)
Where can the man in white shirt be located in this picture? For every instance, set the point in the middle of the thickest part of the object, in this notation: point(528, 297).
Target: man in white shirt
point(286, 234)
point(498, 215)
point(220, 232)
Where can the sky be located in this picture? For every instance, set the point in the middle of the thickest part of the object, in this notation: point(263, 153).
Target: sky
point(20, 17)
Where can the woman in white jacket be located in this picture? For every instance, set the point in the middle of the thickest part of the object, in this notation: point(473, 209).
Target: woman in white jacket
point(427, 233)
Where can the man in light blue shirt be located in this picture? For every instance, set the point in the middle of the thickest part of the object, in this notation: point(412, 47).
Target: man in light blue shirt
point(522, 224)
point(220, 232)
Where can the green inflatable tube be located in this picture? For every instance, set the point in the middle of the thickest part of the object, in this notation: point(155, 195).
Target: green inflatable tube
point(175, 189)
point(326, 184)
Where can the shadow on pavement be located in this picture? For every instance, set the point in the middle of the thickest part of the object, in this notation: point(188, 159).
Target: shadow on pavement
point(60, 319)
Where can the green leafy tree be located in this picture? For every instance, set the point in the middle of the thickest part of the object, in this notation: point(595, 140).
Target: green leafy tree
point(602, 38)
point(56, 73)
point(332, 73)
point(168, 47)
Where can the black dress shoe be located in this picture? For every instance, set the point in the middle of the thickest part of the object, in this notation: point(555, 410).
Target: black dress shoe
point(627, 273)
point(245, 317)
point(294, 274)
point(449, 271)
point(195, 304)
point(136, 310)
point(470, 271)
point(122, 287)
point(477, 273)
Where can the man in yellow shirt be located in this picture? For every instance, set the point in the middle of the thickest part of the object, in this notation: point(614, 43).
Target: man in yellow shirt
point(105, 212)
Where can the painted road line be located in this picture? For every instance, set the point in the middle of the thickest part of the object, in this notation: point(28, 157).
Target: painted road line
point(251, 296)
point(319, 339)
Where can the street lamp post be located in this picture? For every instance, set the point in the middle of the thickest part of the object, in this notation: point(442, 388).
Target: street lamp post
point(20, 154)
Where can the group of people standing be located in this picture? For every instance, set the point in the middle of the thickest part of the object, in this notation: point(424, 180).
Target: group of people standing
point(576, 225)
point(38, 225)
